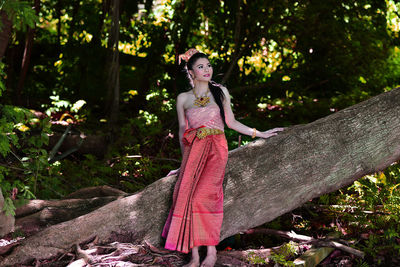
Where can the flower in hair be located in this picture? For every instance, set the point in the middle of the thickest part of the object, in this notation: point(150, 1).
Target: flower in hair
point(186, 56)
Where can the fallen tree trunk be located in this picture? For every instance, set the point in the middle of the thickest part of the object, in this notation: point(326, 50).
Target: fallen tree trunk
point(97, 191)
point(264, 180)
point(38, 214)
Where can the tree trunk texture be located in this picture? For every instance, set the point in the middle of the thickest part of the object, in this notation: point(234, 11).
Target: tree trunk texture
point(237, 40)
point(5, 32)
point(39, 214)
point(264, 180)
point(113, 67)
point(26, 58)
point(96, 191)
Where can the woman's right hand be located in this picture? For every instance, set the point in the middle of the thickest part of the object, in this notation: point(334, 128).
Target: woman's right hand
point(173, 172)
point(271, 132)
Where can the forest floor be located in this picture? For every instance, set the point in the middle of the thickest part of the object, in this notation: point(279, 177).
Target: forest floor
point(245, 249)
point(127, 255)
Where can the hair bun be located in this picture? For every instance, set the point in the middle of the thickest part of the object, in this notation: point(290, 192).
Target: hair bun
point(186, 56)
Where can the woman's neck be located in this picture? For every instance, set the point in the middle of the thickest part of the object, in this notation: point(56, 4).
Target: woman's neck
point(200, 87)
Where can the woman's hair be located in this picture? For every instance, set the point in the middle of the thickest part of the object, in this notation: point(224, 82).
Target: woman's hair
point(215, 88)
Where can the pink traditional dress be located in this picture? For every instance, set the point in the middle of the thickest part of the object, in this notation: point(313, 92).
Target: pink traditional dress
point(196, 214)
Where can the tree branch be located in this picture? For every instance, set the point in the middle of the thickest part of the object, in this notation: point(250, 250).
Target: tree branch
point(307, 239)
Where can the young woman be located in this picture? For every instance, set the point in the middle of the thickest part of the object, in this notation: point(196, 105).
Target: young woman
point(195, 218)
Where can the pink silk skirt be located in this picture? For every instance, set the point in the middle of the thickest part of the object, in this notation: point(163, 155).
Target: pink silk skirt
point(196, 214)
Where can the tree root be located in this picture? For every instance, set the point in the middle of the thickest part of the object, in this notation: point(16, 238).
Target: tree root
point(308, 240)
point(118, 254)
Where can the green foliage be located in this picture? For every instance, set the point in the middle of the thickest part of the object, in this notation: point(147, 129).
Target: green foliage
point(284, 253)
point(2, 75)
point(281, 256)
point(281, 260)
point(21, 13)
point(61, 105)
point(373, 213)
point(294, 49)
point(22, 137)
point(143, 152)
point(361, 263)
point(71, 176)
point(366, 214)
point(11, 119)
point(253, 258)
point(8, 207)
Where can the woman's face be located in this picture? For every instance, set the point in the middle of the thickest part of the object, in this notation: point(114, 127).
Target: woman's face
point(202, 70)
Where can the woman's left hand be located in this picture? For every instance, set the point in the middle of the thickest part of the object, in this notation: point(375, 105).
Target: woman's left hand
point(270, 133)
point(174, 172)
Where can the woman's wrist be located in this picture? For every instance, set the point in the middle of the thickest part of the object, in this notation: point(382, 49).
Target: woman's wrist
point(254, 133)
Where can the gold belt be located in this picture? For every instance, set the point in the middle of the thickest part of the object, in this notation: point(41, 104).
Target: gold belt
point(203, 132)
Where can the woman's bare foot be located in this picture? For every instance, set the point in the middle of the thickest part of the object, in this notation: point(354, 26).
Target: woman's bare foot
point(195, 260)
point(211, 258)
point(193, 263)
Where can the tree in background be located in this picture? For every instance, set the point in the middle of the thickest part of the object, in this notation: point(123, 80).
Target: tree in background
point(261, 50)
point(287, 61)
point(26, 57)
point(112, 70)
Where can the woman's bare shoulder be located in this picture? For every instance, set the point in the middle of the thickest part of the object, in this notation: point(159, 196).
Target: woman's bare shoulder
point(184, 95)
point(183, 98)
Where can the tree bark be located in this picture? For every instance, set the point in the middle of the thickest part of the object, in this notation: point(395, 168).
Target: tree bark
point(26, 58)
point(39, 214)
point(113, 67)
point(237, 40)
point(5, 32)
point(97, 191)
point(264, 180)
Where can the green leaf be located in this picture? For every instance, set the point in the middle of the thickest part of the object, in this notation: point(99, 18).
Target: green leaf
point(9, 207)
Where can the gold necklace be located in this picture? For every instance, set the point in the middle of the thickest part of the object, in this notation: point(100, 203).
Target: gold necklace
point(201, 101)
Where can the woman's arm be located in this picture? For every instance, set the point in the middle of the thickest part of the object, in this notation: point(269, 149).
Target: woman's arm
point(182, 125)
point(239, 127)
point(181, 118)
